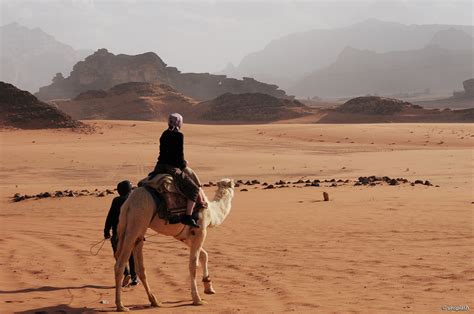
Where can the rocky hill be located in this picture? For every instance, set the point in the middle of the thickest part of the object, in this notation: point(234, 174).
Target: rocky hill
point(129, 101)
point(375, 105)
point(250, 107)
point(372, 109)
point(20, 109)
point(29, 58)
point(103, 70)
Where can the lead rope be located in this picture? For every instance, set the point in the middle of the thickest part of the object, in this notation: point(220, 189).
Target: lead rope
point(101, 242)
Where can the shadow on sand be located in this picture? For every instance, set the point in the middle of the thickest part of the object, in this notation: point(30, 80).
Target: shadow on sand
point(50, 288)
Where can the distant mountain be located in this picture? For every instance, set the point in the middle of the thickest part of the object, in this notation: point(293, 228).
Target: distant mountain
point(286, 60)
point(453, 39)
point(29, 58)
point(20, 109)
point(438, 67)
point(103, 70)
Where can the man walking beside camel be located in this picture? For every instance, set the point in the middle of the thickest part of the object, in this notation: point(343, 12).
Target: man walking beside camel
point(123, 188)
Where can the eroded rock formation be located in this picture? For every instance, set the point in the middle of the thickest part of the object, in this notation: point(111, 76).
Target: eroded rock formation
point(103, 70)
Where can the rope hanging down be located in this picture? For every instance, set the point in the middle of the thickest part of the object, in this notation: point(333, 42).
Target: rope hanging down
point(101, 243)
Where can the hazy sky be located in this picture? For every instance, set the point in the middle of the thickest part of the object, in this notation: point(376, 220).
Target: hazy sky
point(202, 36)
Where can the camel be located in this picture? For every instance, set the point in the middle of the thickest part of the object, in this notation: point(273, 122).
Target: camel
point(138, 214)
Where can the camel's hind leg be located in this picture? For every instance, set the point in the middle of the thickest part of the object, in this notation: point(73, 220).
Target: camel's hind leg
point(140, 269)
point(122, 256)
point(203, 258)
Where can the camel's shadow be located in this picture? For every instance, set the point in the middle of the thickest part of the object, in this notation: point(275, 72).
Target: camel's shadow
point(51, 288)
point(64, 308)
point(61, 308)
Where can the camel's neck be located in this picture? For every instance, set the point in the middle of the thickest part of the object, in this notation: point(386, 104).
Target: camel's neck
point(220, 207)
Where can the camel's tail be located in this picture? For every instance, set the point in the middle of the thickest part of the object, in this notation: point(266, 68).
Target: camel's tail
point(122, 226)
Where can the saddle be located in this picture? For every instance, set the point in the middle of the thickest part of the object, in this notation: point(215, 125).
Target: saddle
point(170, 203)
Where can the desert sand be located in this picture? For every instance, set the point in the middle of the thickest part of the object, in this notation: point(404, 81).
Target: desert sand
point(369, 249)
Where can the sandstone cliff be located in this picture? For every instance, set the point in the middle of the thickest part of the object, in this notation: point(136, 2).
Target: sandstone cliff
point(103, 70)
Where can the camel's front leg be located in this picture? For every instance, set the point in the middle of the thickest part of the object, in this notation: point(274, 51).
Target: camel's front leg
point(198, 237)
point(138, 255)
point(203, 258)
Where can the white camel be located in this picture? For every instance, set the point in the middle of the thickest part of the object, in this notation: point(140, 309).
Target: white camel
point(138, 214)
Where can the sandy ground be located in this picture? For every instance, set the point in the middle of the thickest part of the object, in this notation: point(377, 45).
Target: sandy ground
point(370, 249)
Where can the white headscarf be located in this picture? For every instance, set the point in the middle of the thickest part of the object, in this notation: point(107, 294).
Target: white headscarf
point(175, 122)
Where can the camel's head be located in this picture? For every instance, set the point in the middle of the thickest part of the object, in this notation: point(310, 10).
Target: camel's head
point(226, 184)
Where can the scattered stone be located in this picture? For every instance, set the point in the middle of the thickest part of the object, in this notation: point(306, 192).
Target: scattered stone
point(236, 185)
point(280, 182)
point(418, 181)
point(248, 183)
point(325, 196)
point(428, 183)
point(393, 182)
point(255, 182)
point(44, 195)
point(101, 194)
point(109, 191)
point(243, 190)
point(333, 184)
point(269, 187)
point(207, 184)
point(71, 194)
point(264, 183)
point(314, 183)
point(18, 197)
point(307, 181)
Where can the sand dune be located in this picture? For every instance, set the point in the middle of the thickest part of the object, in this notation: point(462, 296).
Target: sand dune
point(369, 249)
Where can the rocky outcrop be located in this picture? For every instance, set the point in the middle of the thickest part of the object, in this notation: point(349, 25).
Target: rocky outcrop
point(129, 101)
point(375, 105)
point(468, 87)
point(20, 109)
point(103, 70)
point(253, 107)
